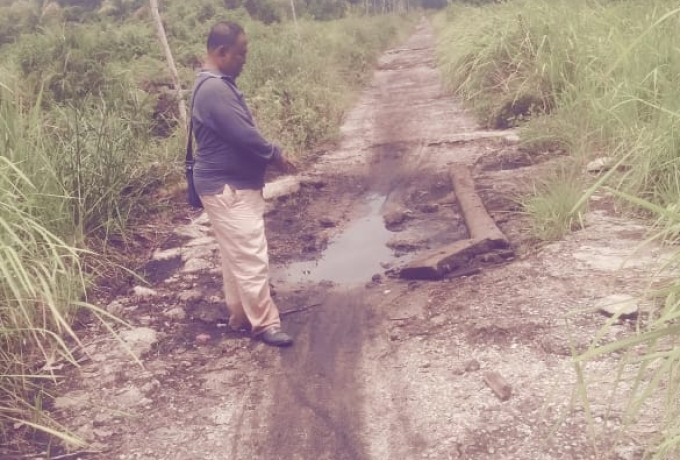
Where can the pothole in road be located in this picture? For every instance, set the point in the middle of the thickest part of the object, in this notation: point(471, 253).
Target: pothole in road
point(353, 257)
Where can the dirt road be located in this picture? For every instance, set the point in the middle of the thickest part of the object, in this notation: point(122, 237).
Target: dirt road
point(382, 368)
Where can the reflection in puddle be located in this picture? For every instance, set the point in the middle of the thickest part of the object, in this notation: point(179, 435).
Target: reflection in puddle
point(354, 256)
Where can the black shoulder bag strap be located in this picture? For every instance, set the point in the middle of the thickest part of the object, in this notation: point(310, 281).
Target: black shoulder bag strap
point(190, 137)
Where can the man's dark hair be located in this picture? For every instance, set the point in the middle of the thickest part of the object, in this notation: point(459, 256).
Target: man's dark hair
point(223, 33)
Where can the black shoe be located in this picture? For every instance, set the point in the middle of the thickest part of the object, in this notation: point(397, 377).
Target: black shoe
point(276, 338)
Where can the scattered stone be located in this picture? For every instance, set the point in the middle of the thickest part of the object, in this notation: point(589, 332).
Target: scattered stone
point(438, 320)
point(498, 385)
point(512, 137)
point(402, 245)
point(600, 165)
point(139, 340)
point(102, 419)
point(191, 231)
point(618, 305)
point(202, 219)
point(141, 291)
point(395, 218)
point(191, 295)
point(376, 278)
point(116, 308)
point(327, 223)
point(73, 400)
point(210, 312)
point(196, 264)
point(472, 366)
point(150, 387)
point(285, 186)
point(176, 313)
point(316, 182)
point(202, 241)
point(131, 397)
point(428, 208)
point(490, 258)
point(102, 433)
point(203, 338)
point(167, 254)
point(144, 321)
point(86, 432)
point(630, 452)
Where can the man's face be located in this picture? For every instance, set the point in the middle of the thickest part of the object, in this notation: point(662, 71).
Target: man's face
point(232, 59)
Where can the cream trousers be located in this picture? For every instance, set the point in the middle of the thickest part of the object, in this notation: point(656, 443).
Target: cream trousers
point(237, 218)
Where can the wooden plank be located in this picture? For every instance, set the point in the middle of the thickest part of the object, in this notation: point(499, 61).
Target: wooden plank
point(436, 264)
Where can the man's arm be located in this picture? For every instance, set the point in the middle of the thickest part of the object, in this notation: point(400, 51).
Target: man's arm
point(222, 112)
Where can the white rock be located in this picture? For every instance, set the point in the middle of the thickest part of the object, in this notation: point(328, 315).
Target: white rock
point(116, 308)
point(191, 231)
point(167, 254)
point(629, 452)
point(192, 294)
point(139, 340)
point(177, 313)
point(621, 305)
point(202, 219)
point(196, 265)
point(73, 400)
point(600, 165)
point(131, 397)
point(141, 291)
point(284, 186)
point(203, 241)
point(512, 137)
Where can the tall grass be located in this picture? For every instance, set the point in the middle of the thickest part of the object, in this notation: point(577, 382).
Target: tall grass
point(40, 275)
point(555, 205)
point(607, 74)
point(592, 78)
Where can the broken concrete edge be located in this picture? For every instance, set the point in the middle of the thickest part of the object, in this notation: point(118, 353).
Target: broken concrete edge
point(480, 224)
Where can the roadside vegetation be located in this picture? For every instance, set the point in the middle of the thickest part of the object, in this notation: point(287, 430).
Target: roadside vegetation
point(587, 79)
point(91, 146)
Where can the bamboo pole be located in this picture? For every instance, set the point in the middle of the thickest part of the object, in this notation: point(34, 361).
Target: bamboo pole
point(297, 27)
point(171, 64)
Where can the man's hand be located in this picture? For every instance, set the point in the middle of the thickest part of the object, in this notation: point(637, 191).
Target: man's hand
point(286, 164)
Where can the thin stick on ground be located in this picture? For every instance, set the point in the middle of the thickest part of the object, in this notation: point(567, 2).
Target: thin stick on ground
point(300, 310)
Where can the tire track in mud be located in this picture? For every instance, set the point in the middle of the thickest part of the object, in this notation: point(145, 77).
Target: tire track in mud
point(317, 399)
point(319, 402)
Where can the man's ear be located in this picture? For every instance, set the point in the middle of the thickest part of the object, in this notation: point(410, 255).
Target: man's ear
point(222, 50)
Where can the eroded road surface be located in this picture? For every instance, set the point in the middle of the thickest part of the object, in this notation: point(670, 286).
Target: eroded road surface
point(382, 368)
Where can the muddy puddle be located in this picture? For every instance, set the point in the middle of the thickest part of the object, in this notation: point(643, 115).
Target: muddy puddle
point(352, 257)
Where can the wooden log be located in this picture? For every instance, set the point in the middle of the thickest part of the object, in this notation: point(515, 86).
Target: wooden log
point(436, 264)
point(498, 385)
point(479, 223)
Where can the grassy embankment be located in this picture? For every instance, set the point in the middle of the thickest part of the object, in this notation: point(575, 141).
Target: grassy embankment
point(88, 136)
point(587, 79)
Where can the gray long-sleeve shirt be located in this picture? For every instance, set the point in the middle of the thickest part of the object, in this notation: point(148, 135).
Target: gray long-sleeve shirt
point(231, 150)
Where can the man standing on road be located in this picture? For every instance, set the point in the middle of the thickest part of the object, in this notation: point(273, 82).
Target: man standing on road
point(229, 176)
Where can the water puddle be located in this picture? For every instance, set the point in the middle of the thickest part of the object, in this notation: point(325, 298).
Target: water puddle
point(352, 257)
